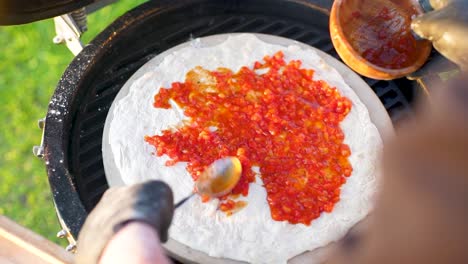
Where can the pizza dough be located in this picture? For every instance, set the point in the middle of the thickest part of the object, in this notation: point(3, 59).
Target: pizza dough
point(249, 235)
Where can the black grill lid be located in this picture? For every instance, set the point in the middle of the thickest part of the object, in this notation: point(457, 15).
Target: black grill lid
point(13, 12)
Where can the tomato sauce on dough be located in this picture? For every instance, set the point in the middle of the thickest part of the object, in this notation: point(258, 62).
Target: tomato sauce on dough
point(275, 116)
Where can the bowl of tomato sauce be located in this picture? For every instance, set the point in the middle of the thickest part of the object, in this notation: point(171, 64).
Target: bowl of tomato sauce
point(374, 37)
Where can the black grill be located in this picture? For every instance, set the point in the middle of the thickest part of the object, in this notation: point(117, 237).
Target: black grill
point(97, 74)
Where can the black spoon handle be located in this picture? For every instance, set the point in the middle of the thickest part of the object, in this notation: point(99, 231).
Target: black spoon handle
point(181, 202)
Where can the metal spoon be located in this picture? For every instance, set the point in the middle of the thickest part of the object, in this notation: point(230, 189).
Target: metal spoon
point(218, 179)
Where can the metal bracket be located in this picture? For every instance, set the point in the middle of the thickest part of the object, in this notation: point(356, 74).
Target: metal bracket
point(65, 233)
point(38, 151)
point(69, 28)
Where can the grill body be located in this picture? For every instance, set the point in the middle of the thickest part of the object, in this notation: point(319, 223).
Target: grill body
point(79, 106)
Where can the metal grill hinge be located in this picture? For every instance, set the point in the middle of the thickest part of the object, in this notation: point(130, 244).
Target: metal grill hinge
point(68, 29)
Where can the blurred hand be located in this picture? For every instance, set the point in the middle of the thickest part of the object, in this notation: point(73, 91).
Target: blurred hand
point(421, 213)
point(150, 203)
point(447, 28)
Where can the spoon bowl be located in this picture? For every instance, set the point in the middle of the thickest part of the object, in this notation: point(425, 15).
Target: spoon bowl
point(220, 177)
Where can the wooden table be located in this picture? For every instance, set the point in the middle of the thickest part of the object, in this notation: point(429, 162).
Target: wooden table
point(19, 245)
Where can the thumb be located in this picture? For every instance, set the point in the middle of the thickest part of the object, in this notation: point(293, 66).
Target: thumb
point(438, 4)
point(434, 24)
point(428, 25)
point(447, 29)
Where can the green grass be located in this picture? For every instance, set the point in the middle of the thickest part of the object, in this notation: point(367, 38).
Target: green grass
point(30, 67)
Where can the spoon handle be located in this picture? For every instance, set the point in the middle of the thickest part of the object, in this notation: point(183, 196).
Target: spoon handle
point(181, 202)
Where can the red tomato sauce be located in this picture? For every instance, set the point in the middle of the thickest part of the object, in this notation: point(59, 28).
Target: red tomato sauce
point(230, 206)
point(282, 121)
point(387, 40)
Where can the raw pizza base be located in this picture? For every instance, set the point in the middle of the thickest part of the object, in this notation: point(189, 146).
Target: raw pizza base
point(249, 235)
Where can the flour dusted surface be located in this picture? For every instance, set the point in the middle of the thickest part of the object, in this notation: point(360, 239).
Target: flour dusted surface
point(249, 235)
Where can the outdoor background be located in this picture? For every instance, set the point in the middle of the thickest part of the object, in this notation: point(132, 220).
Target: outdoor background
point(30, 67)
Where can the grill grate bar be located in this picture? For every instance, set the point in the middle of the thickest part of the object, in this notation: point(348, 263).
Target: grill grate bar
point(179, 36)
point(308, 37)
point(110, 90)
point(101, 103)
point(99, 174)
point(97, 192)
point(86, 157)
point(126, 68)
point(91, 144)
point(97, 179)
point(88, 133)
point(183, 35)
point(253, 23)
point(384, 89)
point(271, 28)
point(393, 103)
point(293, 32)
point(370, 81)
point(88, 165)
point(93, 119)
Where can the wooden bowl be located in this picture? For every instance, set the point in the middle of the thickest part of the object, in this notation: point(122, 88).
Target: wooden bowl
point(373, 37)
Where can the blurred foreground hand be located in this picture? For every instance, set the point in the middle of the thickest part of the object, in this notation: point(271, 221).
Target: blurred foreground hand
point(422, 212)
point(447, 28)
